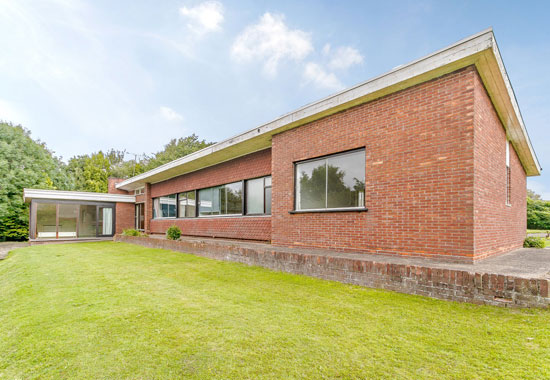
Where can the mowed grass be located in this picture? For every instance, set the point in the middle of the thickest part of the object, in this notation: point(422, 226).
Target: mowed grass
point(112, 310)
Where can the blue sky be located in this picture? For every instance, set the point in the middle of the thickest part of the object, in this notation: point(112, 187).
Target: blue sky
point(91, 75)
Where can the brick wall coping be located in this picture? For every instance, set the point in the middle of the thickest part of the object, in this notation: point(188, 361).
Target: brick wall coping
point(511, 280)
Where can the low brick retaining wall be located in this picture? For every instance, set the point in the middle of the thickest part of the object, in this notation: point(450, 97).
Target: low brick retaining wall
point(447, 284)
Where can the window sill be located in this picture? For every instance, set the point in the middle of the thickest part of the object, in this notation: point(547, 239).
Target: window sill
point(329, 210)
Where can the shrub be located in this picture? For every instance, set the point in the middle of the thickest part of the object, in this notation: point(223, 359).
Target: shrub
point(131, 232)
point(533, 242)
point(173, 233)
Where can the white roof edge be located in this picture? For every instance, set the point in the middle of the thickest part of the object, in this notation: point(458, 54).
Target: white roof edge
point(29, 194)
point(466, 47)
point(514, 100)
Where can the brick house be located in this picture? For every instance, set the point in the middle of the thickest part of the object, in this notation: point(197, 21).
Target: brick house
point(429, 159)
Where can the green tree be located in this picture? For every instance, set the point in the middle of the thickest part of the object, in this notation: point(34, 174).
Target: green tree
point(175, 149)
point(24, 163)
point(531, 194)
point(538, 212)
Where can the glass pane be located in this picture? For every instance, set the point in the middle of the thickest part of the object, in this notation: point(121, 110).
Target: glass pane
point(67, 220)
point(156, 208)
point(234, 198)
point(346, 180)
point(268, 181)
point(45, 221)
point(190, 209)
point(105, 221)
point(255, 196)
point(182, 204)
point(168, 206)
point(187, 204)
point(311, 185)
point(87, 221)
point(268, 200)
point(209, 201)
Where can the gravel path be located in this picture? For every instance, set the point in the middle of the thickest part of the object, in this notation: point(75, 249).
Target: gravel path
point(6, 247)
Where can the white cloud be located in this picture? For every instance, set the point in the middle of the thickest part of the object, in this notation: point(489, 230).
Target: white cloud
point(314, 73)
point(205, 17)
point(271, 41)
point(343, 57)
point(169, 114)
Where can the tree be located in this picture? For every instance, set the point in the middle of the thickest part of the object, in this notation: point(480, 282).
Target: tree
point(175, 149)
point(24, 163)
point(538, 212)
point(531, 194)
point(90, 172)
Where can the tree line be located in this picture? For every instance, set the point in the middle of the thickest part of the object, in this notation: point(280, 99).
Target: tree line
point(28, 163)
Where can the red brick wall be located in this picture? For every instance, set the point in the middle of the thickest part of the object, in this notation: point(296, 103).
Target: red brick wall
point(498, 228)
point(243, 227)
point(253, 228)
point(124, 214)
point(419, 173)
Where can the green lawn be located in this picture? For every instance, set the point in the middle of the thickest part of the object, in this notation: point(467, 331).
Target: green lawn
point(537, 231)
point(112, 310)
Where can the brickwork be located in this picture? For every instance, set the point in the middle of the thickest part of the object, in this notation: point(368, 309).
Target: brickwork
point(124, 217)
point(419, 173)
point(447, 284)
point(498, 227)
point(247, 228)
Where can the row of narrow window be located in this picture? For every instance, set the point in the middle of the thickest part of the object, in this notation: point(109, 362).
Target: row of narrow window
point(218, 200)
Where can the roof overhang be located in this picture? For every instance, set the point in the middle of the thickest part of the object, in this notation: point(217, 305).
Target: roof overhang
point(30, 194)
point(480, 50)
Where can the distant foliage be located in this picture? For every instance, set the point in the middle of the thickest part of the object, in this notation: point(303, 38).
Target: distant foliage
point(533, 242)
point(90, 172)
point(173, 233)
point(538, 213)
point(175, 149)
point(24, 163)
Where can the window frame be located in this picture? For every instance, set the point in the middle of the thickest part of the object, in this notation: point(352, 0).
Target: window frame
point(178, 216)
point(198, 200)
point(264, 187)
point(326, 209)
point(165, 217)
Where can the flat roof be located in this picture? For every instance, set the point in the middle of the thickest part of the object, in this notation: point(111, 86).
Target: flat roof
point(30, 194)
point(479, 49)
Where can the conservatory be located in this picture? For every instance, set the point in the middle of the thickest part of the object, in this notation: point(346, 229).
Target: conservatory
point(68, 215)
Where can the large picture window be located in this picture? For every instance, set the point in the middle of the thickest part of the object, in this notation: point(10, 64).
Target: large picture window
point(164, 207)
point(258, 196)
point(331, 182)
point(221, 200)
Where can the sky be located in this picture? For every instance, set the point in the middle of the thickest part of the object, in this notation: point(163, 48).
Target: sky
point(84, 76)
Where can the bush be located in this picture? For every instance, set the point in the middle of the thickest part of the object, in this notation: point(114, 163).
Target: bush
point(533, 242)
point(173, 233)
point(131, 232)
